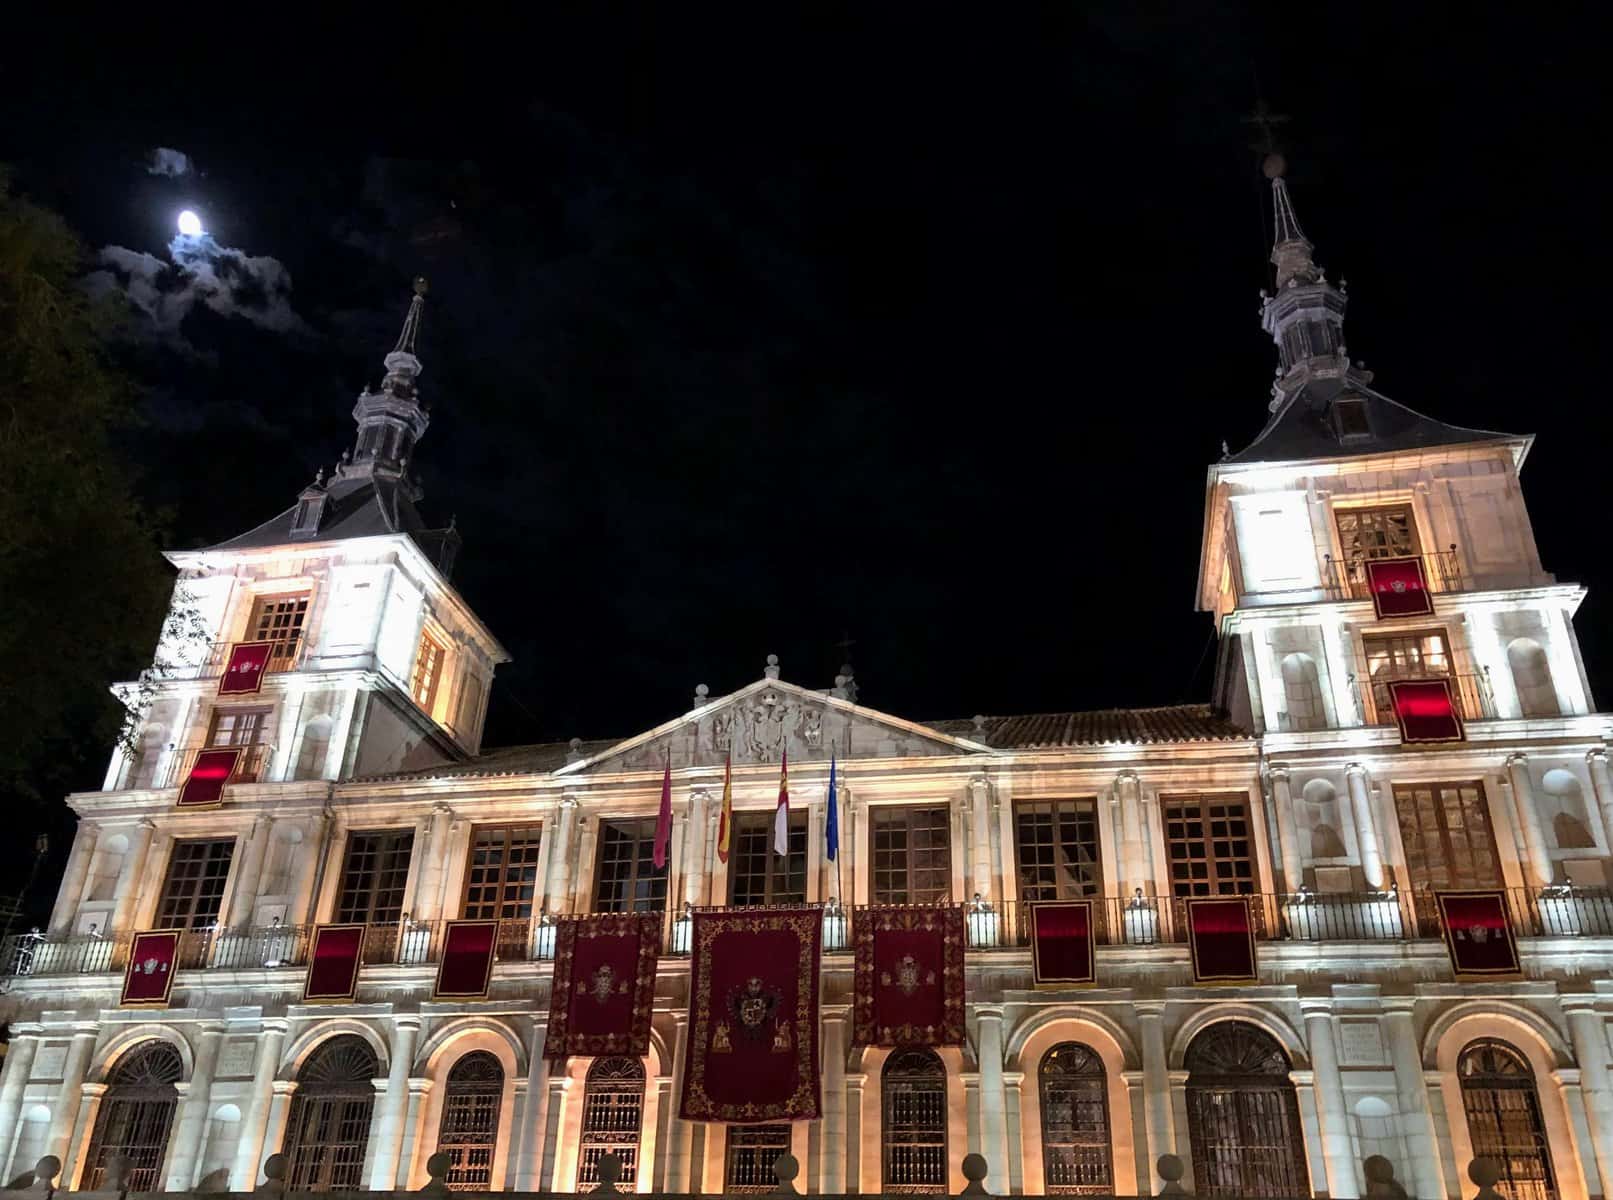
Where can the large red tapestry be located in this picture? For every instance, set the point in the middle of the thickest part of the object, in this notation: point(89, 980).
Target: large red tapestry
point(243, 674)
point(1221, 939)
point(752, 1052)
point(909, 975)
point(1426, 710)
point(604, 984)
point(333, 962)
point(1398, 587)
point(204, 786)
point(153, 959)
point(466, 968)
point(1478, 934)
point(1061, 942)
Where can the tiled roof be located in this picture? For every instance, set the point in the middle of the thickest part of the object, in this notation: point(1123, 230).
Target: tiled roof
point(537, 759)
point(1108, 726)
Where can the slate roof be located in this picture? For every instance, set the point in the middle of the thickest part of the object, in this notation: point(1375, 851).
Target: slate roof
point(364, 506)
point(1303, 428)
point(1104, 727)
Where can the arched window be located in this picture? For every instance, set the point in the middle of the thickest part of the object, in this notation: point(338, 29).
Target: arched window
point(329, 1127)
point(1302, 690)
point(914, 1093)
point(136, 1114)
point(469, 1131)
point(1243, 1116)
point(612, 1115)
point(1503, 1119)
point(1531, 675)
point(1076, 1158)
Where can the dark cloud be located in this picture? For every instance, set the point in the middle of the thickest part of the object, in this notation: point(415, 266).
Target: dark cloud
point(166, 161)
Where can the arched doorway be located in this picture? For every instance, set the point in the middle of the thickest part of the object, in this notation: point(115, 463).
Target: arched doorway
point(1243, 1115)
point(1077, 1155)
point(136, 1115)
point(913, 1092)
point(612, 1118)
point(328, 1130)
point(469, 1129)
point(1503, 1118)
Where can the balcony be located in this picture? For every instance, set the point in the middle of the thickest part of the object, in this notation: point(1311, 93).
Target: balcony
point(286, 656)
point(1346, 579)
point(249, 768)
point(1474, 701)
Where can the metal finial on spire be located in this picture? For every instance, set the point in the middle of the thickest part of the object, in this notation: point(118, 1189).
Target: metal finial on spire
point(1285, 224)
point(411, 323)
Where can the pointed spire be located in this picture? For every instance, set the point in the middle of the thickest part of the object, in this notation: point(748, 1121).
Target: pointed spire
point(411, 323)
point(1290, 249)
point(392, 420)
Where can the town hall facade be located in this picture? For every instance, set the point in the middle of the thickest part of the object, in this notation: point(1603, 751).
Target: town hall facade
point(1362, 561)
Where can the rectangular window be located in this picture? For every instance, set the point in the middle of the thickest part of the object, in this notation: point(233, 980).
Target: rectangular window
point(1057, 843)
point(194, 886)
point(375, 873)
point(427, 670)
point(278, 619)
point(1445, 828)
point(912, 855)
point(501, 878)
point(626, 879)
point(1407, 655)
point(244, 727)
point(1387, 531)
point(1351, 418)
point(752, 1151)
point(756, 875)
point(1211, 844)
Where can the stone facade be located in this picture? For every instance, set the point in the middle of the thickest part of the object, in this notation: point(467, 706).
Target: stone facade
point(1297, 790)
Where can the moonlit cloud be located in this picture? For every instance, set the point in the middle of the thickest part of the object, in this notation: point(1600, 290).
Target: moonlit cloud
point(199, 271)
point(167, 161)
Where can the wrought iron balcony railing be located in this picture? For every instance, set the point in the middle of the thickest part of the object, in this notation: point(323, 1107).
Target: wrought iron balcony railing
point(1346, 579)
point(1474, 701)
point(287, 655)
point(249, 768)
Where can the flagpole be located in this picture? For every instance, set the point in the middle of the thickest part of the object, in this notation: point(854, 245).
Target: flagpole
point(840, 882)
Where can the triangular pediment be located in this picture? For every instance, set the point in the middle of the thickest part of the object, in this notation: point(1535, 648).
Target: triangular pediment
point(759, 722)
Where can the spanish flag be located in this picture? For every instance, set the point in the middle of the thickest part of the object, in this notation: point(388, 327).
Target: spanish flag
point(781, 815)
point(725, 821)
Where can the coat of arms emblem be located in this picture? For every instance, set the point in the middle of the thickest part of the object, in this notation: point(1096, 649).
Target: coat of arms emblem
point(151, 966)
point(753, 1006)
point(1397, 586)
point(908, 976)
point(600, 984)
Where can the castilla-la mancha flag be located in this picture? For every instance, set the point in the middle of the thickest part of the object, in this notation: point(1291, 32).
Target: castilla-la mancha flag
point(752, 1050)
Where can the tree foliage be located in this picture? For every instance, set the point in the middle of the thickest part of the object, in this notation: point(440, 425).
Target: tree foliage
point(82, 586)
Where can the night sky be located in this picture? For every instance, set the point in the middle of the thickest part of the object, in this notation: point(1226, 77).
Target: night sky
point(749, 332)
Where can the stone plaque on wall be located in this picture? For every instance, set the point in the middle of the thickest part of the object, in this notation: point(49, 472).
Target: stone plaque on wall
point(49, 1061)
point(235, 1059)
point(1361, 1044)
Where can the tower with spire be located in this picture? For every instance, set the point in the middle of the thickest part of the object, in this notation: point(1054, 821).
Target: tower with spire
point(374, 661)
point(1344, 495)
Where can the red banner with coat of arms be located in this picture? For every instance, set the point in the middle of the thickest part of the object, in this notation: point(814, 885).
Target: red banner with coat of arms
point(909, 975)
point(604, 984)
point(752, 1051)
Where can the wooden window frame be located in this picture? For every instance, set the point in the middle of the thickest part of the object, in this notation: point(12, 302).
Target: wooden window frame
point(254, 746)
point(1182, 808)
point(776, 873)
point(347, 909)
point(1413, 838)
point(891, 816)
point(1063, 888)
point(287, 636)
point(206, 852)
point(641, 868)
point(434, 665)
point(1358, 554)
point(528, 837)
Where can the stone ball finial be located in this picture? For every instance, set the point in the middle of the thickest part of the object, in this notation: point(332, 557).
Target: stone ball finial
point(785, 1168)
point(1378, 1169)
point(422, 285)
point(46, 1169)
point(1171, 1169)
point(1275, 166)
point(771, 670)
point(274, 1174)
point(609, 1170)
point(437, 1167)
point(1485, 1172)
point(975, 1169)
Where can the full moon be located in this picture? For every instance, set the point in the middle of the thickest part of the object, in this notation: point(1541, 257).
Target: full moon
point(190, 224)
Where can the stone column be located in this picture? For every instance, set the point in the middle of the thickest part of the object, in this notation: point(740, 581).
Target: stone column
point(1534, 834)
point(678, 1131)
point(993, 1102)
point(1588, 1029)
point(19, 1062)
point(1161, 1118)
point(559, 890)
point(1332, 1114)
point(832, 1176)
point(65, 1110)
point(419, 1089)
point(526, 1176)
point(134, 864)
point(249, 1151)
point(433, 864)
point(274, 1132)
point(1602, 785)
point(1411, 1087)
point(980, 836)
point(303, 899)
point(1152, 827)
point(1366, 830)
point(191, 1122)
point(386, 1128)
point(1129, 797)
point(246, 885)
point(73, 877)
point(87, 1108)
point(1282, 800)
point(694, 830)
